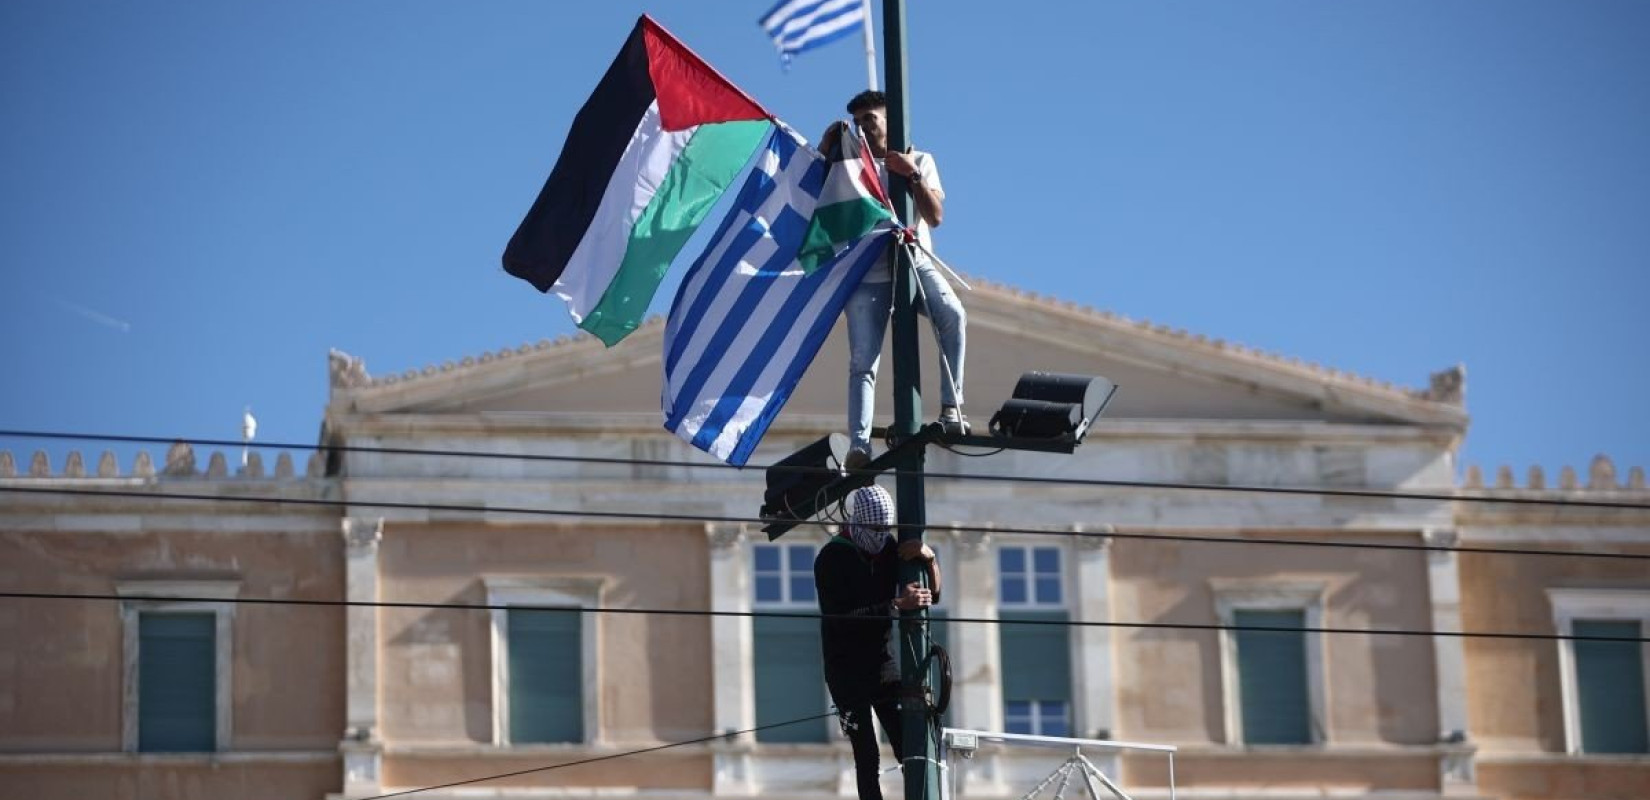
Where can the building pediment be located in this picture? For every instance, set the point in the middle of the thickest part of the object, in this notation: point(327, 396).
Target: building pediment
point(1162, 373)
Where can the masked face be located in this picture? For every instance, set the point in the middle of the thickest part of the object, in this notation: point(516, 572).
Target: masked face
point(871, 518)
point(869, 538)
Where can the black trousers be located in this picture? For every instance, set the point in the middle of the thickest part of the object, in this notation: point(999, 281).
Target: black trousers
point(856, 725)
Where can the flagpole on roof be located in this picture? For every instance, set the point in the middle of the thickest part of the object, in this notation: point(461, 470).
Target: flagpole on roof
point(870, 47)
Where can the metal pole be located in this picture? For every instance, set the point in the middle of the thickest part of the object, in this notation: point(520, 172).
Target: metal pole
point(870, 47)
point(919, 748)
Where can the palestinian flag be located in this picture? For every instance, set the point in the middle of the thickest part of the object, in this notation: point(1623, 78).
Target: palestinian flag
point(851, 204)
point(651, 152)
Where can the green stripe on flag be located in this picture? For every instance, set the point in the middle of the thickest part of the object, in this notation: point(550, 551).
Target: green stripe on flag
point(715, 155)
point(836, 225)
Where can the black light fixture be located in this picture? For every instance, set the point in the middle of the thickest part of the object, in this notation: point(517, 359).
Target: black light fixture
point(795, 482)
point(1049, 412)
point(1053, 406)
point(806, 482)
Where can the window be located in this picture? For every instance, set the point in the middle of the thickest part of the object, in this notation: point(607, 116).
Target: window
point(784, 574)
point(1610, 687)
point(178, 657)
point(1041, 717)
point(1036, 656)
point(545, 689)
point(1272, 679)
point(1271, 669)
point(177, 695)
point(546, 694)
point(789, 670)
point(1604, 690)
point(1029, 577)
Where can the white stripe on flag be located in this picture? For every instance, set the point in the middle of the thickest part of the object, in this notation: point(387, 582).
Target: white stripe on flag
point(715, 302)
point(798, 25)
point(762, 394)
point(784, 16)
point(646, 160)
point(717, 294)
point(819, 30)
point(747, 321)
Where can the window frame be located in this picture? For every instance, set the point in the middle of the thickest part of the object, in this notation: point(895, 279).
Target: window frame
point(1587, 605)
point(150, 597)
point(816, 541)
point(1037, 718)
point(504, 592)
point(1031, 603)
point(1305, 596)
point(1066, 604)
point(785, 575)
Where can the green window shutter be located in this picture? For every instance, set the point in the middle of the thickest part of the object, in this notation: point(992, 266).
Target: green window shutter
point(177, 682)
point(1036, 658)
point(790, 678)
point(1272, 682)
point(546, 663)
point(1610, 688)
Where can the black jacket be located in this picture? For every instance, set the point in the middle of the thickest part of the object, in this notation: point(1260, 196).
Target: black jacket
point(855, 650)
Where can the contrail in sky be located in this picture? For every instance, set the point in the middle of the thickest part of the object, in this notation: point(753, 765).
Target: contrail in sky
point(96, 316)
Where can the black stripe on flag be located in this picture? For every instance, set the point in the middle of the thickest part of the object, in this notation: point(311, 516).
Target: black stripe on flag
point(556, 223)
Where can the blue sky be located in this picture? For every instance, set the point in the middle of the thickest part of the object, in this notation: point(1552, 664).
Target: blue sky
point(199, 199)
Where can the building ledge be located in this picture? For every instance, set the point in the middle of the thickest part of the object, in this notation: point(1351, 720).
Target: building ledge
point(1579, 759)
point(487, 750)
point(157, 759)
point(1330, 750)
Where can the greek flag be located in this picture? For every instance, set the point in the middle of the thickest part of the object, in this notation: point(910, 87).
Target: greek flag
point(747, 320)
point(798, 26)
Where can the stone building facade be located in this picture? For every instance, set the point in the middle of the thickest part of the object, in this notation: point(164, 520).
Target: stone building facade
point(550, 497)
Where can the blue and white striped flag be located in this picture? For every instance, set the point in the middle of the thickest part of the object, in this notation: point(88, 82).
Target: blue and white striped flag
point(747, 321)
point(798, 26)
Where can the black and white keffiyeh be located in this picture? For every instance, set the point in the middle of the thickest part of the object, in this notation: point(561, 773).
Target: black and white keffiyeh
point(870, 516)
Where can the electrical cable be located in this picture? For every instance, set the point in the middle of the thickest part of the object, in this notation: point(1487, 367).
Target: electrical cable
point(986, 454)
point(938, 655)
point(658, 516)
point(594, 759)
point(961, 476)
point(678, 612)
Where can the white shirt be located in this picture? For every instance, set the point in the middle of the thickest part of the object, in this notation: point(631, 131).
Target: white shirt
point(882, 271)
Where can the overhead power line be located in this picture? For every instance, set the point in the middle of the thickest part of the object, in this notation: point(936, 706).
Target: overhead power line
point(594, 759)
point(700, 518)
point(958, 476)
point(679, 612)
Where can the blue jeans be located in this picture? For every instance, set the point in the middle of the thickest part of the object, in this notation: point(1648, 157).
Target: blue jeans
point(869, 309)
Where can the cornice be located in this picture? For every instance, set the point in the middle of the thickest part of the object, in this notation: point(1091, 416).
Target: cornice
point(559, 424)
point(992, 305)
point(1156, 345)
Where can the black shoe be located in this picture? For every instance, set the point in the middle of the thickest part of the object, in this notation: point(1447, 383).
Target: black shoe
point(856, 459)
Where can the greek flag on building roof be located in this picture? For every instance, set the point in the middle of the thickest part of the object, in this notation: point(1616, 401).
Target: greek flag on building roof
point(747, 320)
point(798, 26)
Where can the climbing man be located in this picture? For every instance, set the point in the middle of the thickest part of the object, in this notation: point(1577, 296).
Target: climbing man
point(871, 304)
point(857, 575)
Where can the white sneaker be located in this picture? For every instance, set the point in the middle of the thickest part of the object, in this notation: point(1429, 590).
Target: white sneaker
point(953, 421)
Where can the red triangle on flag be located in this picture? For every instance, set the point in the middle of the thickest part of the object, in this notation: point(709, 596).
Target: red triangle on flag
point(691, 92)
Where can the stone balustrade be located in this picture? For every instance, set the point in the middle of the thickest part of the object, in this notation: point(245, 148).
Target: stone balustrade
point(180, 462)
point(1601, 476)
